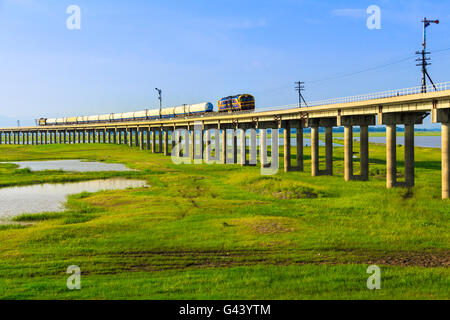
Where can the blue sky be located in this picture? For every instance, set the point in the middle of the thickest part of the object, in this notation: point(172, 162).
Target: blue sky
point(204, 50)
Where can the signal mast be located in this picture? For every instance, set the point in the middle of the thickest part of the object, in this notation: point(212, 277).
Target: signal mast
point(424, 56)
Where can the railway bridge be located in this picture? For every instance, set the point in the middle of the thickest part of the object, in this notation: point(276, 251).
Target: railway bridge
point(407, 107)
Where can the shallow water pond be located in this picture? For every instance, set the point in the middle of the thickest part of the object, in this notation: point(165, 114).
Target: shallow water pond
point(71, 165)
point(52, 197)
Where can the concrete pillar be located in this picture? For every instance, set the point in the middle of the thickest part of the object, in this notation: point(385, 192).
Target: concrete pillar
point(192, 144)
point(114, 137)
point(299, 156)
point(263, 148)
point(153, 141)
point(224, 146)
point(15, 137)
point(253, 159)
point(329, 150)
point(348, 153)
point(141, 139)
point(187, 145)
point(364, 152)
point(173, 137)
point(391, 156)
point(147, 139)
point(445, 160)
point(202, 143)
point(234, 146)
point(46, 137)
point(287, 147)
point(314, 151)
point(243, 148)
point(166, 142)
point(160, 141)
point(129, 135)
point(409, 155)
point(208, 146)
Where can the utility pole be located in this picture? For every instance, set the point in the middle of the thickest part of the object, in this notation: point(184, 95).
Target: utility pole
point(160, 101)
point(300, 87)
point(18, 123)
point(424, 56)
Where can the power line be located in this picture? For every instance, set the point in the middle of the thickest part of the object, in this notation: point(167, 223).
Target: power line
point(346, 75)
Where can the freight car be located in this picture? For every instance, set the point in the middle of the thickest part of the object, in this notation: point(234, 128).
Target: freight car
point(236, 103)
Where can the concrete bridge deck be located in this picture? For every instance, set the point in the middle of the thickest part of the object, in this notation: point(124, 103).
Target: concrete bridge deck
point(401, 107)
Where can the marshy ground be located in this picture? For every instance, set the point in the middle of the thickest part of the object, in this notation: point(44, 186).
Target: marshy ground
point(226, 232)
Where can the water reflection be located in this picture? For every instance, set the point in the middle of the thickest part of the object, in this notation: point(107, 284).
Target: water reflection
point(71, 165)
point(52, 197)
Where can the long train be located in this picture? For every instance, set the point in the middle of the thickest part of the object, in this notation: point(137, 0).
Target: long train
point(229, 104)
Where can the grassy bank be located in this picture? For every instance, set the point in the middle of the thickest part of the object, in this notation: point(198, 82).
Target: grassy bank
point(226, 232)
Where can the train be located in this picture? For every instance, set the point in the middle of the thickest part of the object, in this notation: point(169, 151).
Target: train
point(235, 103)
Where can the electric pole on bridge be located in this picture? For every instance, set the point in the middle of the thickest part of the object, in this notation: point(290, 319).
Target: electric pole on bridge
point(300, 87)
point(160, 101)
point(424, 56)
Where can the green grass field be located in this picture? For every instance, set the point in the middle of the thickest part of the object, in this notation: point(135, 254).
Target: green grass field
point(226, 232)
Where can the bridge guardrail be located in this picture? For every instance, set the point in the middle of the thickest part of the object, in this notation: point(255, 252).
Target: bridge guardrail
point(371, 96)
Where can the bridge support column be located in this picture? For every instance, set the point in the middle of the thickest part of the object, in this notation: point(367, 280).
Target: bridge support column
point(329, 150)
point(391, 156)
point(348, 152)
point(234, 146)
point(173, 138)
point(409, 155)
point(253, 158)
point(263, 148)
point(208, 147)
point(192, 144)
point(141, 139)
point(243, 148)
point(153, 134)
point(364, 152)
point(314, 151)
point(224, 146)
point(160, 141)
point(130, 137)
point(445, 160)
point(202, 144)
point(166, 143)
point(287, 147)
point(148, 146)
